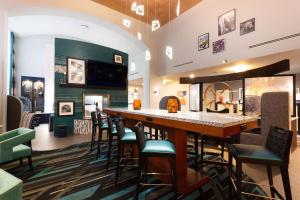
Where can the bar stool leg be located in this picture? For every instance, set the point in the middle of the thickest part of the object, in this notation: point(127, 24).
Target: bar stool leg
point(93, 138)
point(270, 177)
point(196, 144)
point(286, 182)
point(222, 150)
point(173, 167)
point(99, 142)
point(239, 179)
point(202, 151)
point(118, 162)
point(139, 178)
point(109, 151)
point(230, 174)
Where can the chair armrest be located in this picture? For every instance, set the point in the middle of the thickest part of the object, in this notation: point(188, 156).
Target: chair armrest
point(9, 134)
point(24, 135)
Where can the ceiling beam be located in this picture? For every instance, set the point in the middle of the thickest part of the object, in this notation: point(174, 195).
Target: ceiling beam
point(269, 70)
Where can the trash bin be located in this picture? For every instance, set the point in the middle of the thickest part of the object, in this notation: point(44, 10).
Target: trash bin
point(62, 131)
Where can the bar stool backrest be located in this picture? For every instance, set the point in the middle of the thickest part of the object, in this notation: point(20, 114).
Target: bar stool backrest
point(94, 119)
point(99, 119)
point(279, 142)
point(120, 128)
point(140, 136)
point(110, 124)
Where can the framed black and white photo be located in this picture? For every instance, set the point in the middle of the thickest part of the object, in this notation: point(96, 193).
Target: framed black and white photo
point(118, 59)
point(76, 71)
point(66, 108)
point(227, 22)
point(247, 26)
point(218, 46)
point(203, 41)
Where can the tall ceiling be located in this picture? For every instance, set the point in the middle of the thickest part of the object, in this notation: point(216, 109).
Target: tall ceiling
point(154, 9)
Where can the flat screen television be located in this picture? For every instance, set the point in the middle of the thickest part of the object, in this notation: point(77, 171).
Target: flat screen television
point(105, 75)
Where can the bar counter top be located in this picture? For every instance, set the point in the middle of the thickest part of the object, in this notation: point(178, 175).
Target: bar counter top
point(213, 119)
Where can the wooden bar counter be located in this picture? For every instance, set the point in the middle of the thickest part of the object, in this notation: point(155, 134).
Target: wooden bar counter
point(177, 125)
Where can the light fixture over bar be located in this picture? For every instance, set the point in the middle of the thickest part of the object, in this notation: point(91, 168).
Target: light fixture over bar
point(134, 6)
point(169, 52)
point(140, 10)
point(139, 35)
point(178, 8)
point(155, 25)
point(148, 55)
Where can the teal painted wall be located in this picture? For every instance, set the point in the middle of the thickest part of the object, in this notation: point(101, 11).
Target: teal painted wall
point(70, 48)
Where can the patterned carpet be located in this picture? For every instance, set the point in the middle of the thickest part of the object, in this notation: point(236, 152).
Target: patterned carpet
point(73, 173)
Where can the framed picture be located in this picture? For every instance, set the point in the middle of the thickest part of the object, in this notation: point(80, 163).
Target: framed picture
point(66, 108)
point(203, 41)
point(76, 71)
point(118, 59)
point(219, 46)
point(247, 26)
point(227, 22)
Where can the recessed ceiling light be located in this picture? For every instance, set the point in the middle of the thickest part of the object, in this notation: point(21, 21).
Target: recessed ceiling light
point(192, 76)
point(126, 22)
point(155, 25)
point(85, 27)
point(224, 61)
point(240, 68)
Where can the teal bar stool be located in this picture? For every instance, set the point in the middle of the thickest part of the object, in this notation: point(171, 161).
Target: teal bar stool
point(154, 148)
point(102, 126)
point(276, 152)
point(124, 138)
point(112, 134)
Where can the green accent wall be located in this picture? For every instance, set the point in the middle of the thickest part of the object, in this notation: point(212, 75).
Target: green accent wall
point(70, 48)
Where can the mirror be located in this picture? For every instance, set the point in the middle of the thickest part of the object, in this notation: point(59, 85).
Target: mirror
point(94, 102)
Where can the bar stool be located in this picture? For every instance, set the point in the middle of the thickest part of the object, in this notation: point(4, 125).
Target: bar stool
point(154, 148)
point(112, 133)
point(276, 152)
point(124, 139)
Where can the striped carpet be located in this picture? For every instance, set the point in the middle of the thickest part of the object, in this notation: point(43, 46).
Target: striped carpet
point(73, 173)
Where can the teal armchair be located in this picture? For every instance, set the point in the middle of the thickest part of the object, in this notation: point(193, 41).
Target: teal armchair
point(10, 187)
point(12, 145)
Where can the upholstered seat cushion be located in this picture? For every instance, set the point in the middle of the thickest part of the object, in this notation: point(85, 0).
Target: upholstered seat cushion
point(244, 151)
point(159, 146)
point(127, 130)
point(129, 136)
point(10, 186)
point(21, 151)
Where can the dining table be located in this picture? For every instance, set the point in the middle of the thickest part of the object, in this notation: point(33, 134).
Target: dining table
point(178, 125)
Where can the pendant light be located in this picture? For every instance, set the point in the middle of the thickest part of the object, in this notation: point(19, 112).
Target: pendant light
point(155, 23)
point(169, 49)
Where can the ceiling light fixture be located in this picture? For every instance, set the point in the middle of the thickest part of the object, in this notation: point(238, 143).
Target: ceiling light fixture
point(240, 68)
point(127, 23)
point(139, 35)
point(169, 52)
point(132, 67)
point(140, 10)
point(155, 25)
point(134, 6)
point(192, 76)
point(148, 55)
point(178, 8)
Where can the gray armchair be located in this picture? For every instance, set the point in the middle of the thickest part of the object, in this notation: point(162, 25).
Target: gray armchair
point(275, 112)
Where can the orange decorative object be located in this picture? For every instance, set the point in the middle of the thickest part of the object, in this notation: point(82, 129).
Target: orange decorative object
point(172, 105)
point(137, 104)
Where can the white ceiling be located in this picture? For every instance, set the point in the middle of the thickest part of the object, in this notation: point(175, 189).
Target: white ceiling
point(68, 27)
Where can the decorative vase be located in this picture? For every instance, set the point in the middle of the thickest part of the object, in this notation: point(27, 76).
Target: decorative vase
point(137, 104)
point(172, 105)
